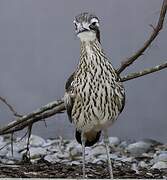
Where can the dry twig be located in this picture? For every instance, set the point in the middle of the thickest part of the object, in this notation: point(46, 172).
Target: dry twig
point(144, 72)
point(10, 107)
point(154, 34)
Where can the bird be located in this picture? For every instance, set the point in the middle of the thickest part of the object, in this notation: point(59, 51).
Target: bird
point(94, 94)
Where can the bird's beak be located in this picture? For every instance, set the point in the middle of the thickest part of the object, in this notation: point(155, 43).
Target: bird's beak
point(82, 28)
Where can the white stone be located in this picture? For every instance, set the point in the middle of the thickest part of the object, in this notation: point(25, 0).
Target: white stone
point(50, 142)
point(36, 152)
point(123, 144)
point(126, 159)
point(36, 141)
point(3, 151)
point(72, 144)
point(1, 139)
point(143, 164)
point(52, 158)
point(15, 156)
point(114, 141)
point(160, 165)
point(75, 151)
point(98, 150)
point(138, 148)
point(161, 157)
point(52, 148)
point(63, 155)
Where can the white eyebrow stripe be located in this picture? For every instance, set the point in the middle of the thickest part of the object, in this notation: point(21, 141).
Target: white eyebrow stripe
point(94, 20)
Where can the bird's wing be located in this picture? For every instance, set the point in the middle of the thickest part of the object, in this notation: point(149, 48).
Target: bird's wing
point(68, 99)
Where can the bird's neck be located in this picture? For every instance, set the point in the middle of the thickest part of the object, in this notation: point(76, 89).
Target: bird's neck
point(90, 50)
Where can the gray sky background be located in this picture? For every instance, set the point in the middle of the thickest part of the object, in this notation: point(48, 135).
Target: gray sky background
point(39, 50)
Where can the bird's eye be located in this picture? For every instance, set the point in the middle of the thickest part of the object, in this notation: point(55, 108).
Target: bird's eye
point(75, 24)
point(94, 23)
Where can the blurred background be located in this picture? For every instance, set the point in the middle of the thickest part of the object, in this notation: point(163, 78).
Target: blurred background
point(39, 50)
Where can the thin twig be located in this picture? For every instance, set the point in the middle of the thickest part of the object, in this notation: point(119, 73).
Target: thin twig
point(28, 141)
point(154, 34)
point(12, 143)
point(11, 108)
point(144, 72)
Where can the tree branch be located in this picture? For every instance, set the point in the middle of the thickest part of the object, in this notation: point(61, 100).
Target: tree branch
point(144, 72)
point(41, 113)
point(153, 35)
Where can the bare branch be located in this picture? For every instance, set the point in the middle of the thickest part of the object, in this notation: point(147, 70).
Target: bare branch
point(41, 113)
point(10, 107)
point(154, 34)
point(144, 72)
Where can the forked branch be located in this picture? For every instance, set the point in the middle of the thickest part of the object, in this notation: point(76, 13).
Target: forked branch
point(153, 35)
point(11, 108)
point(144, 72)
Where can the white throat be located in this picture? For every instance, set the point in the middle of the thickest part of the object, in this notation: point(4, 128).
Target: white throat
point(87, 36)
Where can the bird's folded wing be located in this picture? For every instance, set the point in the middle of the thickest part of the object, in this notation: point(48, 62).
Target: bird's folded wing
point(68, 99)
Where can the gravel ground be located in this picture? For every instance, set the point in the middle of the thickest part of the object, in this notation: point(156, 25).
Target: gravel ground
point(44, 169)
point(60, 158)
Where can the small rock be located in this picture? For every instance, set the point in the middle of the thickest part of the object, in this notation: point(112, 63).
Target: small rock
point(72, 144)
point(159, 165)
point(98, 150)
point(126, 159)
point(75, 163)
point(114, 141)
point(123, 144)
point(4, 149)
point(161, 157)
point(50, 142)
point(52, 158)
point(75, 151)
point(143, 164)
point(63, 155)
point(52, 148)
point(36, 141)
point(36, 152)
point(1, 139)
point(138, 148)
point(15, 156)
point(135, 168)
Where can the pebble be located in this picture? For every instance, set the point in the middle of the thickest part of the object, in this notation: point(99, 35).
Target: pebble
point(36, 141)
point(52, 158)
point(98, 150)
point(138, 148)
point(36, 152)
point(161, 157)
point(114, 141)
point(159, 165)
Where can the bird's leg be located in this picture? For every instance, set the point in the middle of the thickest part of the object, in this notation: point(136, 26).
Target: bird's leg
point(83, 154)
point(106, 141)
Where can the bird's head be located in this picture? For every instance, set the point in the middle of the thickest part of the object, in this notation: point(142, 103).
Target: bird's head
point(87, 27)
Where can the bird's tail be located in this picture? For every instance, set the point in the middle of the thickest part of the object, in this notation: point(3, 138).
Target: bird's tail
point(91, 137)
